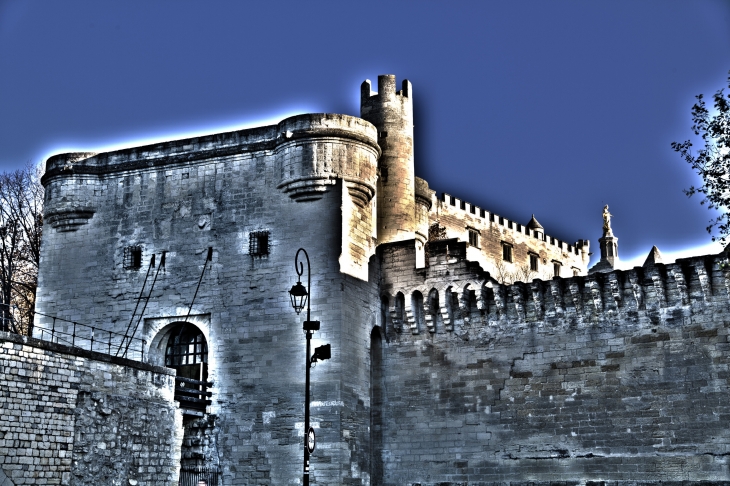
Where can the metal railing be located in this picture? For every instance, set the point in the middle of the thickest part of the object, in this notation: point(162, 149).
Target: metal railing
point(71, 333)
point(199, 476)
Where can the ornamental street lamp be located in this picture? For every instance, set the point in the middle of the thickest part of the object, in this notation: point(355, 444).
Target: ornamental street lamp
point(299, 298)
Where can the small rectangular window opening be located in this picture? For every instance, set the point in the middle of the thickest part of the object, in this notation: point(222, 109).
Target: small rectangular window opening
point(452, 200)
point(258, 243)
point(133, 257)
point(481, 213)
point(462, 205)
point(533, 262)
point(509, 224)
point(556, 269)
point(506, 252)
point(473, 238)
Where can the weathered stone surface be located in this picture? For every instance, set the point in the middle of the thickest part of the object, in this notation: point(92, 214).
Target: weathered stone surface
point(588, 386)
point(440, 375)
point(72, 417)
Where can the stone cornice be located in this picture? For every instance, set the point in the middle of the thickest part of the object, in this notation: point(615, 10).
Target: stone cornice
point(191, 150)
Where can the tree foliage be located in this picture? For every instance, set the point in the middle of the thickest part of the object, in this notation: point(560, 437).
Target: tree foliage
point(436, 232)
point(21, 225)
point(712, 161)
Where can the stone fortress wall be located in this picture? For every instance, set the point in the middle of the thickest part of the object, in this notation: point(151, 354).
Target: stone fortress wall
point(439, 373)
point(459, 217)
point(306, 182)
point(76, 417)
point(615, 377)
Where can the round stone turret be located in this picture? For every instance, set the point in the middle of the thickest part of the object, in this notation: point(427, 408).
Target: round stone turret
point(313, 151)
point(69, 197)
point(392, 114)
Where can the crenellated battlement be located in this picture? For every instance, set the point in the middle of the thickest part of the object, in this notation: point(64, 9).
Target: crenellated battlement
point(386, 90)
point(443, 373)
point(455, 294)
point(491, 217)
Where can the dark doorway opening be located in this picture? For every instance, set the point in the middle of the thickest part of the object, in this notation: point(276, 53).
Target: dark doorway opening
point(187, 352)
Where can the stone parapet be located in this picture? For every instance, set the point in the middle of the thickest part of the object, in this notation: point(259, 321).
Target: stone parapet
point(318, 149)
point(71, 416)
point(655, 292)
point(611, 378)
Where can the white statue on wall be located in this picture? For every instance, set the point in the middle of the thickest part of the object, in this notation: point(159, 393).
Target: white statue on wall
point(606, 220)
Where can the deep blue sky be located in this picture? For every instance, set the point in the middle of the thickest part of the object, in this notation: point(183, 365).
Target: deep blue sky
point(552, 108)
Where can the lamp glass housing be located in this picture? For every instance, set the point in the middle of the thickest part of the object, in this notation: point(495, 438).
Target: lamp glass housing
point(298, 295)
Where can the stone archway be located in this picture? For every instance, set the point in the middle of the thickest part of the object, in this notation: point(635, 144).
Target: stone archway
point(183, 345)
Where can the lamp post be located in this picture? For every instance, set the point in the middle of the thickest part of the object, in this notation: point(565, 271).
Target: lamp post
point(299, 298)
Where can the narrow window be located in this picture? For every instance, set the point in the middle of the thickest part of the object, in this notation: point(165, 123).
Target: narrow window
point(472, 209)
point(509, 224)
point(473, 238)
point(533, 262)
point(417, 308)
point(556, 269)
point(452, 200)
point(506, 252)
point(377, 388)
point(258, 243)
point(462, 205)
point(133, 257)
point(481, 213)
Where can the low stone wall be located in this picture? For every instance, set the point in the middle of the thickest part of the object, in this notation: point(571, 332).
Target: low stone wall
point(72, 417)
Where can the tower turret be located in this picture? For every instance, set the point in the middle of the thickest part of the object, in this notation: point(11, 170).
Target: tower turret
point(392, 114)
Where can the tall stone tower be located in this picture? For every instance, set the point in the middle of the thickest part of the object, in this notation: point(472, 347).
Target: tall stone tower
point(392, 114)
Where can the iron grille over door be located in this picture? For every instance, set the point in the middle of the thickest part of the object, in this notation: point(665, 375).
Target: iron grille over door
point(191, 476)
point(187, 352)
